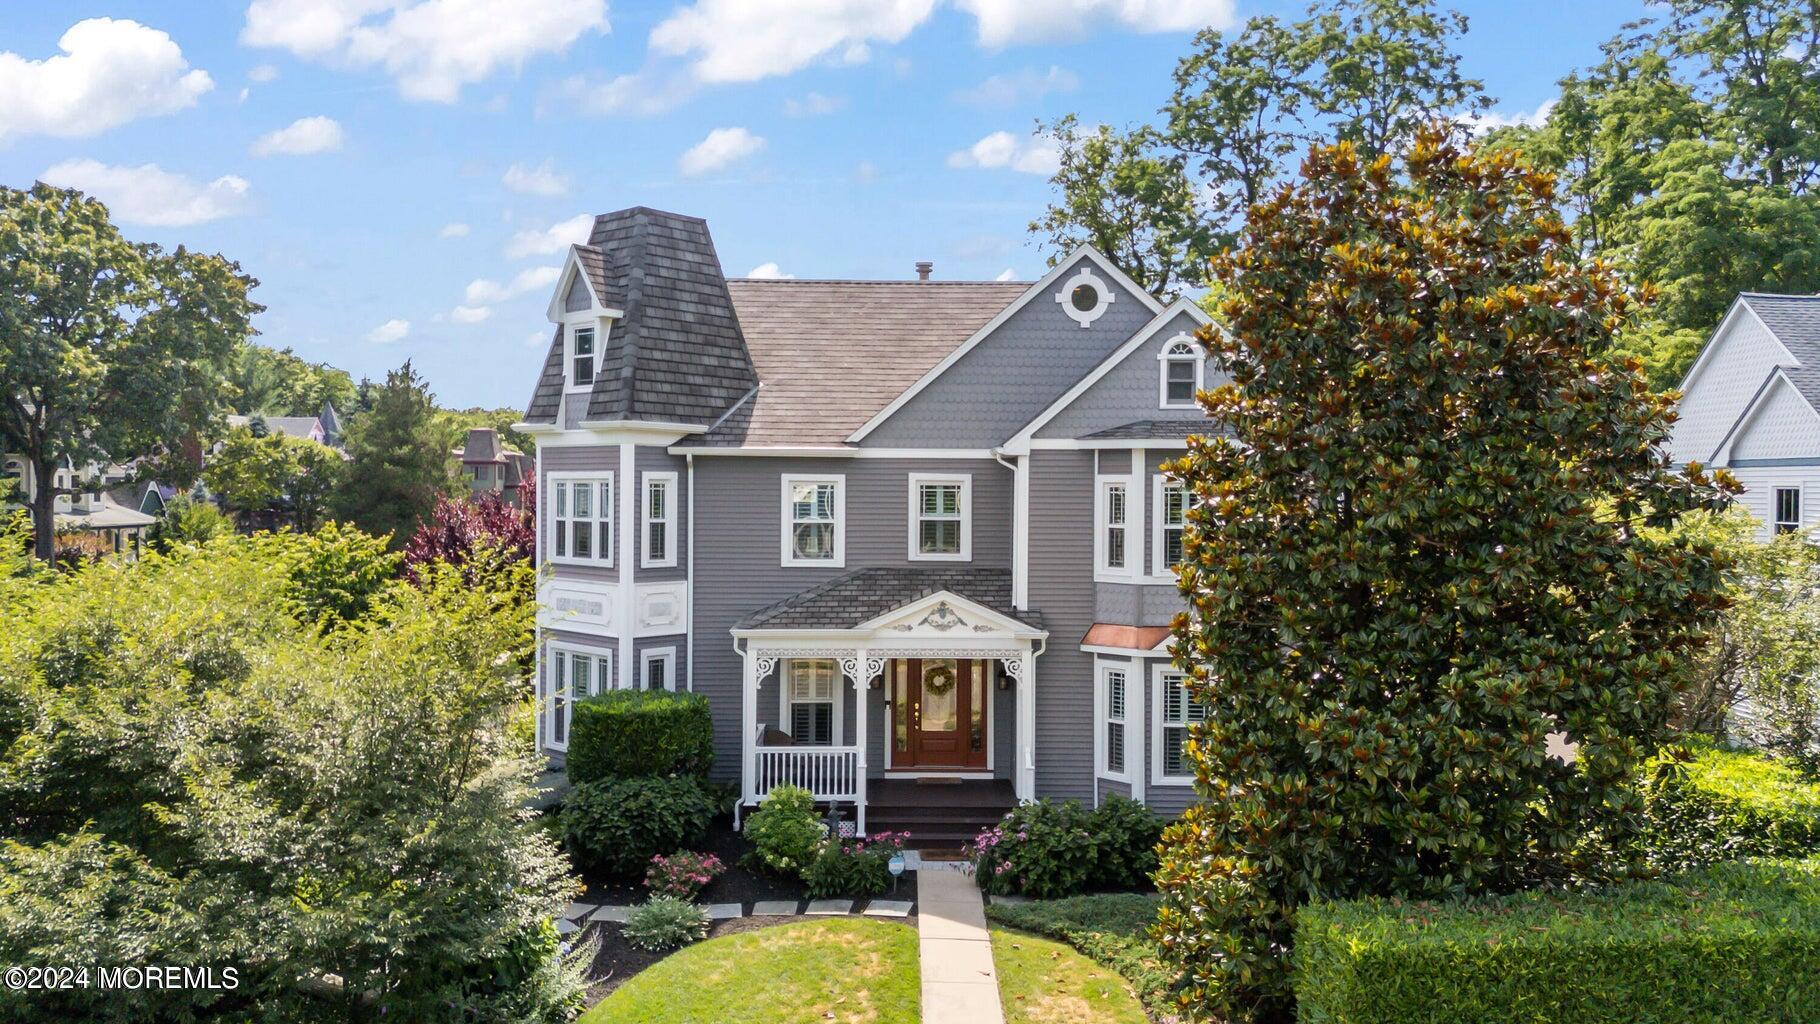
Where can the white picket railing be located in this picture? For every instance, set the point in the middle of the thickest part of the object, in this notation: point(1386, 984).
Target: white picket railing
point(831, 773)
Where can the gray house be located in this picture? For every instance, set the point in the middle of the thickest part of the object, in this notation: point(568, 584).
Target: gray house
point(910, 538)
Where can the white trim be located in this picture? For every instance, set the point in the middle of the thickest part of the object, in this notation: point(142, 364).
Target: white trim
point(571, 267)
point(1020, 543)
point(915, 483)
point(1102, 715)
point(1025, 439)
point(787, 554)
point(837, 729)
point(549, 677)
point(596, 433)
point(833, 452)
point(1157, 684)
point(1161, 650)
point(667, 655)
point(627, 532)
point(689, 578)
point(1159, 482)
point(1771, 522)
point(1103, 296)
point(1706, 350)
point(1041, 287)
point(1071, 444)
point(1134, 550)
point(603, 512)
point(570, 329)
point(645, 522)
point(961, 605)
point(1172, 353)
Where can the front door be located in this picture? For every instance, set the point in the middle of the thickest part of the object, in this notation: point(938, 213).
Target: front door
point(939, 713)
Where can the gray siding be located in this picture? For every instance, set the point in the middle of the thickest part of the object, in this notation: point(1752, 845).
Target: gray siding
point(1783, 427)
point(1061, 589)
point(588, 459)
point(1129, 391)
point(578, 298)
point(1012, 375)
point(657, 460)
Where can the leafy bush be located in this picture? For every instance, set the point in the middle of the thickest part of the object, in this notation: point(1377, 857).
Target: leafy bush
point(1112, 929)
point(627, 733)
point(1042, 849)
point(618, 825)
point(1125, 834)
point(1729, 804)
point(682, 875)
point(1730, 943)
point(785, 830)
point(665, 922)
point(852, 866)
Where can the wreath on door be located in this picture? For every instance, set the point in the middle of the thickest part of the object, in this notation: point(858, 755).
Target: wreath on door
point(939, 681)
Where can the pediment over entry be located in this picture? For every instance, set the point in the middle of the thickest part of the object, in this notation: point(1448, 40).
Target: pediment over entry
point(901, 606)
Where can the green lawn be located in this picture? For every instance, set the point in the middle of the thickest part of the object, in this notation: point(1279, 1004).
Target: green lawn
point(1110, 929)
point(837, 970)
point(1041, 981)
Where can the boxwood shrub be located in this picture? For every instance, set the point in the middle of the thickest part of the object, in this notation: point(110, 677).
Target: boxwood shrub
point(1727, 804)
point(631, 733)
point(620, 824)
point(1736, 942)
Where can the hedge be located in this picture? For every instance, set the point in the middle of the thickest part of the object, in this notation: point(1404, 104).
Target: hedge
point(1729, 804)
point(1737, 942)
point(630, 733)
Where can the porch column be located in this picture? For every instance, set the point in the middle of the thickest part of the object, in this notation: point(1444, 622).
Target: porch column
point(862, 683)
point(1024, 779)
point(748, 730)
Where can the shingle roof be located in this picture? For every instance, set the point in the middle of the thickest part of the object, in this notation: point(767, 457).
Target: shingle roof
point(831, 354)
point(1794, 319)
point(593, 262)
point(482, 446)
point(1158, 429)
point(850, 599)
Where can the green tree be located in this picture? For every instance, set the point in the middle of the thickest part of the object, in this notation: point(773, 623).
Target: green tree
point(1421, 555)
point(291, 476)
point(110, 350)
point(455, 424)
point(188, 520)
point(278, 382)
point(399, 460)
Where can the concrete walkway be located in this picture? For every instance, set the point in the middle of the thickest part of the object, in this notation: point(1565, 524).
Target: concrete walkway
point(960, 982)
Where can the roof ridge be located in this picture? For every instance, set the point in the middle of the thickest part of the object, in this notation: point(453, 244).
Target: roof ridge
point(867, 280)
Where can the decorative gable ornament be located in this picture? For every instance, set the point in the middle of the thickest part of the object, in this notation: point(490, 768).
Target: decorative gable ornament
point(1084, 297)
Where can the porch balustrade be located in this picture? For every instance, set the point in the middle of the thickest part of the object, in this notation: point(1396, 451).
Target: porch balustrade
point(830, 773)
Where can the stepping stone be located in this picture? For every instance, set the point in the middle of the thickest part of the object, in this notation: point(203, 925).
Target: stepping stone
point(888, 908)
point(774, 908)
point(725, 911)
point(1011, 900)
point(830, 907)
point(566, 927)
point(615, 914)
point(576, 911)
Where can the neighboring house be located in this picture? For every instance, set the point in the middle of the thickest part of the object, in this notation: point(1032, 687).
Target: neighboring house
point(1751, 404)
point(491, 466)
point(309, 428)
point(897, 532)
point(115, 515)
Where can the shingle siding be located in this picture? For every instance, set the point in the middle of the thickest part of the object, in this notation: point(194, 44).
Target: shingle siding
point(1735, 370)
point(1129, 391)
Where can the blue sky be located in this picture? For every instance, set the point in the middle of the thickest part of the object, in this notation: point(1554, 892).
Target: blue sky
point(401, 175)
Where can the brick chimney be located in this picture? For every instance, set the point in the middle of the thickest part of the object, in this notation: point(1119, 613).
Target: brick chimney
point(923, 269)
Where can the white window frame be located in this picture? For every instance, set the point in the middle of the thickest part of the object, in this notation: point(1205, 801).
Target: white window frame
point(600, 680)
point(1103, 717)
point(1103, 571)
point(837, 733)
point(604, 513)
point(1159, 485)
point(788, 553)
point(667, 655)
point(1161, 676)
point(917, 482)
point(1776, 523)
point(569, 330)
point(1179, 349)
point(668, 480)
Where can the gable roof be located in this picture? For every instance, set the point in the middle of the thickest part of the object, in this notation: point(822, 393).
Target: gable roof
point(676, 355)
point(855, 598)
point(1793, 319)
point(831, 354)
point(1804, 381)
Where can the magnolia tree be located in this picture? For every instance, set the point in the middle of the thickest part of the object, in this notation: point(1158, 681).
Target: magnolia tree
point(1424, 551)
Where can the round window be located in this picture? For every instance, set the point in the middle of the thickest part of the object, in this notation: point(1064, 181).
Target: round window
point(1084, 298)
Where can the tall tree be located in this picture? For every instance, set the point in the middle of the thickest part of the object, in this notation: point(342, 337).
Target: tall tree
point(398, 459)
point(278, 382)
point(274, 475)
point(1422, 554)
point(110, 350)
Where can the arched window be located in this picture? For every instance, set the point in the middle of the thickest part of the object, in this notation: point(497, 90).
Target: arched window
point(1179, 373)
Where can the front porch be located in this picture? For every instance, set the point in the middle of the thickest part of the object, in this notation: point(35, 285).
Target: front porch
point(854, 703)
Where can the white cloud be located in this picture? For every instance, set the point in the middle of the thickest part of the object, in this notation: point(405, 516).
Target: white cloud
point(301, 137)
point(644, 93)
point(1010, 22)
point(487, 292)
point(553, 239)
point(262, 73)
point(148, 194)
point(455, 230)
point(537, 339)
point(110, 72)
point(745, 40)
point(390, 331)
point(1480, 123)
point(470, 314)
point(722, 148)
point(1006, 274)
point(866, 171)
point(1031, 155)
point(769, 272)
point(542, 180)
point(813, 104)
point(1019, 87)
point(431, 48)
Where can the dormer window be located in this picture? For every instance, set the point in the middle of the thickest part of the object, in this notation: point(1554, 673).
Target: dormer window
point(581, 357)
point(1180, 371)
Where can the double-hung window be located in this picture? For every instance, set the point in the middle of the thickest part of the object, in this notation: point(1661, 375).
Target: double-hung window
point(1115, 692)
point(813, 509)
point(1180, 373)
point(940, 514)
point(581, 518)
point(1112, 546)
point(573, 674)
point(581, 357)
point(809, 700)
point(659, 548)
point(1177, 712)
point(1787, 509)
point(1171, 521)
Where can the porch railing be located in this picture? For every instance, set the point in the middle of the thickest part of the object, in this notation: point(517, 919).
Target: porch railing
point(830, 773)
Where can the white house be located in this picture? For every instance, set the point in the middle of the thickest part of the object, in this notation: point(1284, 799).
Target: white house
point(1751, 404)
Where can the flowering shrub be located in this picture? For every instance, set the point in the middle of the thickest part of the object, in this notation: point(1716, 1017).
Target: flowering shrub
point(785, 830)
point(853, 866)
point(1040, 849)
point(681, 875)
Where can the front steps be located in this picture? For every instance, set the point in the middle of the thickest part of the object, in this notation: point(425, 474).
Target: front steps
point(939, 815)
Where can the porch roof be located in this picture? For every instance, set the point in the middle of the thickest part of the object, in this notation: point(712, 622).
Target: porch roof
point(859, 596)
